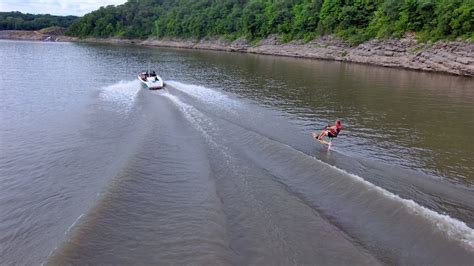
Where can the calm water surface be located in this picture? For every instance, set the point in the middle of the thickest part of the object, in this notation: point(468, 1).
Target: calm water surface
point(220, 168)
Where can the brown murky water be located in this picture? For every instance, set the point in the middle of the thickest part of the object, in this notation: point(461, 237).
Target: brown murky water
point(219, 167)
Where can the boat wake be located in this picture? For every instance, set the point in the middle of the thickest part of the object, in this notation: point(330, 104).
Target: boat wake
point(121, 95)
point(276, 156)
point(208, 170)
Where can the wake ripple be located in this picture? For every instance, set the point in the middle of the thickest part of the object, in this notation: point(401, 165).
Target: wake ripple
point(122, 95)
point(452, 228)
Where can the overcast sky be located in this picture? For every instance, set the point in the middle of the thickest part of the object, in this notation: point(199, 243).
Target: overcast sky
point(56, 7)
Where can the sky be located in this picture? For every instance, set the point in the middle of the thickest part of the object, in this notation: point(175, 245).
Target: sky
point(56, 7)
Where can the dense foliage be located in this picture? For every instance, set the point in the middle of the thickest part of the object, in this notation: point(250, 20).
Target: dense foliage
point(20, 21)
point(353, 20)
point(134, 19)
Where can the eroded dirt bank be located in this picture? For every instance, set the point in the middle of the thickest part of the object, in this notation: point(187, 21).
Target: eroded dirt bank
point(448, 57)
point(53, 34)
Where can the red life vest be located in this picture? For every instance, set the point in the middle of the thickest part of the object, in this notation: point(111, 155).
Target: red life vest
point(335, 129)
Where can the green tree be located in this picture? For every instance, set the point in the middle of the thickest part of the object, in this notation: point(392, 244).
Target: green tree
point(353, 20)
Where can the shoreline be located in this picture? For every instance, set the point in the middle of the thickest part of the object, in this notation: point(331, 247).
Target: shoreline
point(451, 57)
point(37, 35)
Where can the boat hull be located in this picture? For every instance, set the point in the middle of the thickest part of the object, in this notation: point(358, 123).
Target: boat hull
point(152, 83)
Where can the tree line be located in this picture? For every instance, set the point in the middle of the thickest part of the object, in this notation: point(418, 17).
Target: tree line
point(19, 21)
point(352, 20)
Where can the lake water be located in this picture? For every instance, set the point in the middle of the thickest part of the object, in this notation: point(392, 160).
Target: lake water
point(219, 168)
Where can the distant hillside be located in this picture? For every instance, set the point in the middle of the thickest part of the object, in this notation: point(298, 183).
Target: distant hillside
point(19, 21)
point(353, 20)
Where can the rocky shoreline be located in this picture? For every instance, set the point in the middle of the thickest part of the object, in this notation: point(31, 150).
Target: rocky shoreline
point(53, 34)
point(448, 57)
point(453, 57)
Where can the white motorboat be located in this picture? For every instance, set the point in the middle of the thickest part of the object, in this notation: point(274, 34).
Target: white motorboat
point(151, 80)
